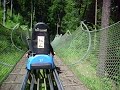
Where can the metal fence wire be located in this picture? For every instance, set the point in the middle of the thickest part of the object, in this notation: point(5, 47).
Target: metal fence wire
point(12, 48)
point(94, 56)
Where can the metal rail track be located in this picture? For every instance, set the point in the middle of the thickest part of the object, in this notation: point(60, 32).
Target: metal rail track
point(36, 79)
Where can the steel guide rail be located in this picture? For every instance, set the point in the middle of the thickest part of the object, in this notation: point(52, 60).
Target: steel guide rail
point(25, 80)
point(50, 78)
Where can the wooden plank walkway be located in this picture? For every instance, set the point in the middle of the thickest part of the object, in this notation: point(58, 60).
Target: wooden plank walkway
point(68, 79)
point(16, 77)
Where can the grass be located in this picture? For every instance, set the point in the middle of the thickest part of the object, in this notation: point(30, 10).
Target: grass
point(86, 73)
point(72, 50)
point(86, 70)
point(9, 58)
point(9, 55)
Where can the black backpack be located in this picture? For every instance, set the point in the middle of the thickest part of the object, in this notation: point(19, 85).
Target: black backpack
point(40, 39)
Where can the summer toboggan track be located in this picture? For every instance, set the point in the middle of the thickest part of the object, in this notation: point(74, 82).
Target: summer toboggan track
point(15, 79)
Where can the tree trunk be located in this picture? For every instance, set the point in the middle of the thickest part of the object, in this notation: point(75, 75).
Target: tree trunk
point(4, 12)
point(105, 13)
point(31, 14)
point(104, 36)
point(11, 8)
point(0, 3)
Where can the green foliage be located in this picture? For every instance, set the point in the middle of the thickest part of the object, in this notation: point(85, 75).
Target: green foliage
point(10, 58)
point(71, 18)
point(9, 55)
point(55, 14)
point(1, 15)
point(68, 14)
point(4, 38)
point(11, 22)
point(72, 48)
point(57, 8)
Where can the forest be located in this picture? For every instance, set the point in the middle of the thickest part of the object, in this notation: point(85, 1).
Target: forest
point(62, 14)
point(99, 47)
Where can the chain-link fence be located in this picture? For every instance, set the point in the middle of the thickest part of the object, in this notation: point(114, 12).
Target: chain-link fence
point(94, 56)
point(12, 48)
